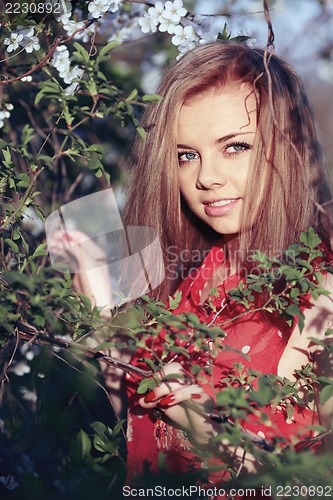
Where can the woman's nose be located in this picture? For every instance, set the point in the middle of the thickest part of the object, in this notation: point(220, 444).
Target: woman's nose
point(210, 173)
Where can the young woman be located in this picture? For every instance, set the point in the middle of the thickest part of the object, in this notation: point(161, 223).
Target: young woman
point(231, 164)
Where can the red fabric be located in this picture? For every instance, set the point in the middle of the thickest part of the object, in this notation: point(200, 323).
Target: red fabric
point(261, 336)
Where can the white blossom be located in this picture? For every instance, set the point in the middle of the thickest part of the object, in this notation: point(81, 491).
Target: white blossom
point(27, 32)
point(167, 25)
point(207, 38)
point(9, 482)
point(27, 395)
point(30, 45)
point(26, 78)
point(60, 59)
point(183, 35)
point(73, 74)
point(20, 368)
point(185, 48)
point(13, 41)
point(99, 7)
point(115, 5)
point(148, 23)
point(5, 113)
point(25, 37)
point(173, 11)
point(27, 350)
point(156, 11)
point(70, 90)
point(72, 26)
point(65, 10)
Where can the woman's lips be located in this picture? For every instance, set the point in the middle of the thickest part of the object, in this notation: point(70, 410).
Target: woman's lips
point(220, 207)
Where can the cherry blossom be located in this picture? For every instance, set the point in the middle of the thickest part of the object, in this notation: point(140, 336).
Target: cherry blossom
point(66, 10)
point(13, 41)
point(148, 23)
point(174, 11)
point(156, 11)
point(73, 74)
point(60, 59)
point(26, 78)
point(183, 35)
point(98, 8)
point(9, 482)
point(72, 26)
point(23, 37)
point(5, 114)
point(167, 25)
point(30, 44)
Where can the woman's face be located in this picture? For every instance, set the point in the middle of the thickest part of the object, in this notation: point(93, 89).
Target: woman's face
point(215, 137)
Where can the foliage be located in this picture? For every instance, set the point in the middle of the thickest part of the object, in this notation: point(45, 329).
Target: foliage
point(65, 119)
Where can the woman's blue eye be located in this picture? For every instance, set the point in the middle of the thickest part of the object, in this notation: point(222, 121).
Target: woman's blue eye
point(236, 148)
point(186, 156)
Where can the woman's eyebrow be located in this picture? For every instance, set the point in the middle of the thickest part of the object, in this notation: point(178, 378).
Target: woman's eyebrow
point(231, 136)
point(183, 146)
point(219, 140)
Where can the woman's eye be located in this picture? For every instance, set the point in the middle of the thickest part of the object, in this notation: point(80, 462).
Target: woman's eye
point(236, 148)
point(186, 156)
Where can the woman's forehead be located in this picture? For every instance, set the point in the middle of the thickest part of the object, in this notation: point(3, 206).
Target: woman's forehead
point(218, 112)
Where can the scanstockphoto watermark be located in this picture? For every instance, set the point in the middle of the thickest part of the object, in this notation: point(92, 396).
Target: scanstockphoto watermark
point(186, 492)
point(196, 492)
point(88, 236)
point(181, 263)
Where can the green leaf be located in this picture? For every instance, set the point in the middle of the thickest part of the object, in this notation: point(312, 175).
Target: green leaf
point(12, 245)
point(151, 98)
point(132, 95)
point(110, 46)
point(174, 302)
point(310, 238)
point(141, 131)
point(27, 134)
point(225, 35)
point(98, 148)
point(145, 385)
point(325, 394)
point(293, 310)
point(81, 52)
point(82, 445)
point(99, 427)
point(265, 392)
point(40, 251)
point(7, 156)
point(24, 181)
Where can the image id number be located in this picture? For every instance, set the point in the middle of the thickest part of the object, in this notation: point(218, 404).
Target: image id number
point(35, 7)
point(304, 491)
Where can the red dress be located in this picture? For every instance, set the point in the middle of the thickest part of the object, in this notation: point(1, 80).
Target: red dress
point(261, 336)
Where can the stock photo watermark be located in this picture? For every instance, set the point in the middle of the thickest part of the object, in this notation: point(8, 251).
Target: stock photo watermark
point(88, 236)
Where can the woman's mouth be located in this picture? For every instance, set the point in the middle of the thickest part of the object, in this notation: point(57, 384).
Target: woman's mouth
point(220, 207)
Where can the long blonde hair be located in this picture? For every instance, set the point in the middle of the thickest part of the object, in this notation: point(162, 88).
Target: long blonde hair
point(295, 184)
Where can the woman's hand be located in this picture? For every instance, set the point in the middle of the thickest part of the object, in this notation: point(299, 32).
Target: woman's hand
point(183, 402)
point(88, 263)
